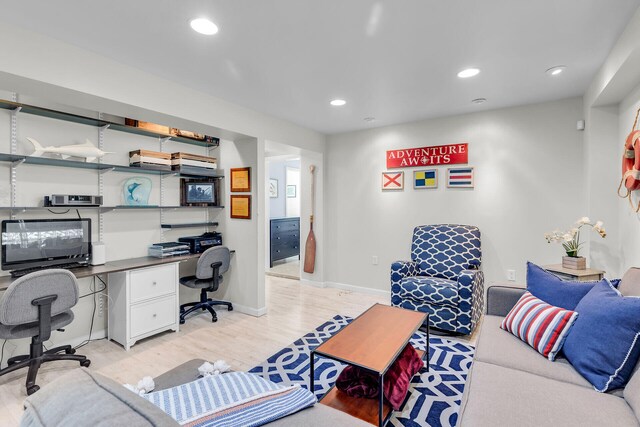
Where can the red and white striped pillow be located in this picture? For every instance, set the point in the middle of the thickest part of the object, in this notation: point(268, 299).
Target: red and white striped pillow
point(542, 326)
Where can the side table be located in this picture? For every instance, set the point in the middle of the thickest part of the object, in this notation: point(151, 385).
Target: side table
point(586, 275)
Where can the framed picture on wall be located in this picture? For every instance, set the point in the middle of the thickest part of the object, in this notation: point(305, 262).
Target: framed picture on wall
point(273, 188)
point(460, 177)
point(392, 181)
point(240, 180)
point(427, 178)
point(240, 206)
point(291, 191)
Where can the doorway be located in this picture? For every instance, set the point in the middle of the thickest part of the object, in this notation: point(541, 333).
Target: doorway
point(284, 194)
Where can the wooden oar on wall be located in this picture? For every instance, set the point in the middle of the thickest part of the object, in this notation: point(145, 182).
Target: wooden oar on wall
point(310, 246)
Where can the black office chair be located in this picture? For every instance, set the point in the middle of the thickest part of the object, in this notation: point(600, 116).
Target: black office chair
point(33, 306)
point(212, 264)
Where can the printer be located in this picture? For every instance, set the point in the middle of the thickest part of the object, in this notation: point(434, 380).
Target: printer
point(199, 244)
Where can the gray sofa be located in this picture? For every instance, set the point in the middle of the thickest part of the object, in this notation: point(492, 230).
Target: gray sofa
point(510, 384)
point(85, 398)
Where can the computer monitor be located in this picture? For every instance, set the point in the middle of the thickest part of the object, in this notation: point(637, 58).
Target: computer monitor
point(28, 243)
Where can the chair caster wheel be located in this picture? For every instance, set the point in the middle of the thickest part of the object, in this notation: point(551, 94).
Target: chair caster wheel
point(32, 389)
point(182, 321)
point(85, 363)
point(70, 351)
point(214, 320)
point(230, 308)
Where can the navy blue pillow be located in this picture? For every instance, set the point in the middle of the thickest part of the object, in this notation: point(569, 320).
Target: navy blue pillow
point(603, 345)
point(555, 291)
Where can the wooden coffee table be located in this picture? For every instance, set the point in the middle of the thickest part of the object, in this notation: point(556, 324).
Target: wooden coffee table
point(371, 342)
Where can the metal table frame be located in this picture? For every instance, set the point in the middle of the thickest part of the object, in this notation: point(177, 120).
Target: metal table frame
point(380, 375)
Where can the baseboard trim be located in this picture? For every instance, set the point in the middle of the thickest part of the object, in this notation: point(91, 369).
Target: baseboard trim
point(313, 283)
point(255, 312)
point(360, 289)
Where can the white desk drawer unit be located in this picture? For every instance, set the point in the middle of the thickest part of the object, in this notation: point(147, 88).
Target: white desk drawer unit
point(143, 302)
point(152, 282)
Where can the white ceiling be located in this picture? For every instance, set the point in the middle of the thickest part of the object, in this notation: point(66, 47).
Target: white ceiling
point(395, 60)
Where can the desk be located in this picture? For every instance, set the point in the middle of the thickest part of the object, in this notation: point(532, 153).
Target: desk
point(113, 267)
point(144, 293)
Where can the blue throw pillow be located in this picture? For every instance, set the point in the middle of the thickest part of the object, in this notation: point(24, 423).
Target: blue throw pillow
point(553, 290)
point(603, 345)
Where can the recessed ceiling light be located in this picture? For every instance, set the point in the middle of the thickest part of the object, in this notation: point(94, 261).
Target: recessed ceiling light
point(479, 101)
point(204, 26)
point(338, 102)
point(369, 119)
point(554, 71)
point(469, 72)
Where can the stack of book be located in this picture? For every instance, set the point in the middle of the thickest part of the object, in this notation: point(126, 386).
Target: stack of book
point(193, 164)
point(169, 131)
point(163, 250)
point(150, 160)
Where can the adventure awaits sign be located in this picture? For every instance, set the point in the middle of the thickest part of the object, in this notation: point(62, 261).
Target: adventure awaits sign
point(428, 156)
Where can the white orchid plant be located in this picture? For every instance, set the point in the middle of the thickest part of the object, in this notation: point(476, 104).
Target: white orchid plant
point(570, 239)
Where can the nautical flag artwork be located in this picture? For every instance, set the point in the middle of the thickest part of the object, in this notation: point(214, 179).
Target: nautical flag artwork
point(392, 180)
point(460, 177)
point(425, 178)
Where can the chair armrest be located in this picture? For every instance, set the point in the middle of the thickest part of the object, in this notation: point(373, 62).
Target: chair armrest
point(402, 269)
point(501, 299)
point(471, 290)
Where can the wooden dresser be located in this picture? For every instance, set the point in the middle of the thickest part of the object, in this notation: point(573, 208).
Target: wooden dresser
point(285, 238)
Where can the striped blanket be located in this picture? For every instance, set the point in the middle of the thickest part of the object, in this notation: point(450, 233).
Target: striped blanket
point(232, 399)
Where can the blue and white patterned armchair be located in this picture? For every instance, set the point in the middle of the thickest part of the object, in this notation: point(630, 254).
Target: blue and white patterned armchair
point(443, 277)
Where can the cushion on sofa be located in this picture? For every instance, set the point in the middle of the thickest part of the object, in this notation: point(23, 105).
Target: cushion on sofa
point(430, 289)
point(316, 416)
point(497, 347)
point(499, 396)
point(85, 398)
point(631, 393)
point(555, 291)
point(540, 325)
point(630, 284)
point(604, 344)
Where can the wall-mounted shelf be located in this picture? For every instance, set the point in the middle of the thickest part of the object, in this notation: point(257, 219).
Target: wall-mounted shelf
point(190, 225)
point(74, 118)
point(103, 208)
point(103, 167)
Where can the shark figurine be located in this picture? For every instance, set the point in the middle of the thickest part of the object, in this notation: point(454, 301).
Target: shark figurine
point(87, 150)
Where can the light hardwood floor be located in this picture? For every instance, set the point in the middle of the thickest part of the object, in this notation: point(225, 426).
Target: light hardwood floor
point(242, 340)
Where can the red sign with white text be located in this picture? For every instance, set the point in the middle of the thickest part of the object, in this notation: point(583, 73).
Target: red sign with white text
point(428, 156)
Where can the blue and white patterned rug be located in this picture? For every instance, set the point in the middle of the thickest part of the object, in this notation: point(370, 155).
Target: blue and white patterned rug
point(434, 396)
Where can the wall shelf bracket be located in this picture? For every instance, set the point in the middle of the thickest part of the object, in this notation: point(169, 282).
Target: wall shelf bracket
point(106, 170)
point(17, 163)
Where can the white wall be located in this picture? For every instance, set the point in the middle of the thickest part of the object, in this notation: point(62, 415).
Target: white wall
point(629, 220)
point(278, 171)
point(48, 70)
point(292, 202)
point(610, 106)
point(528, 180)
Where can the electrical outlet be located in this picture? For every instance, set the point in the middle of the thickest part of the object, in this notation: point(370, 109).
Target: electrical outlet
point(374, 260)
point(511, 275)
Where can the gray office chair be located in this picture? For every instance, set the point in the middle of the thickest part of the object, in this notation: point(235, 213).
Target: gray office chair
point(33, 306)
point(212, 264)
